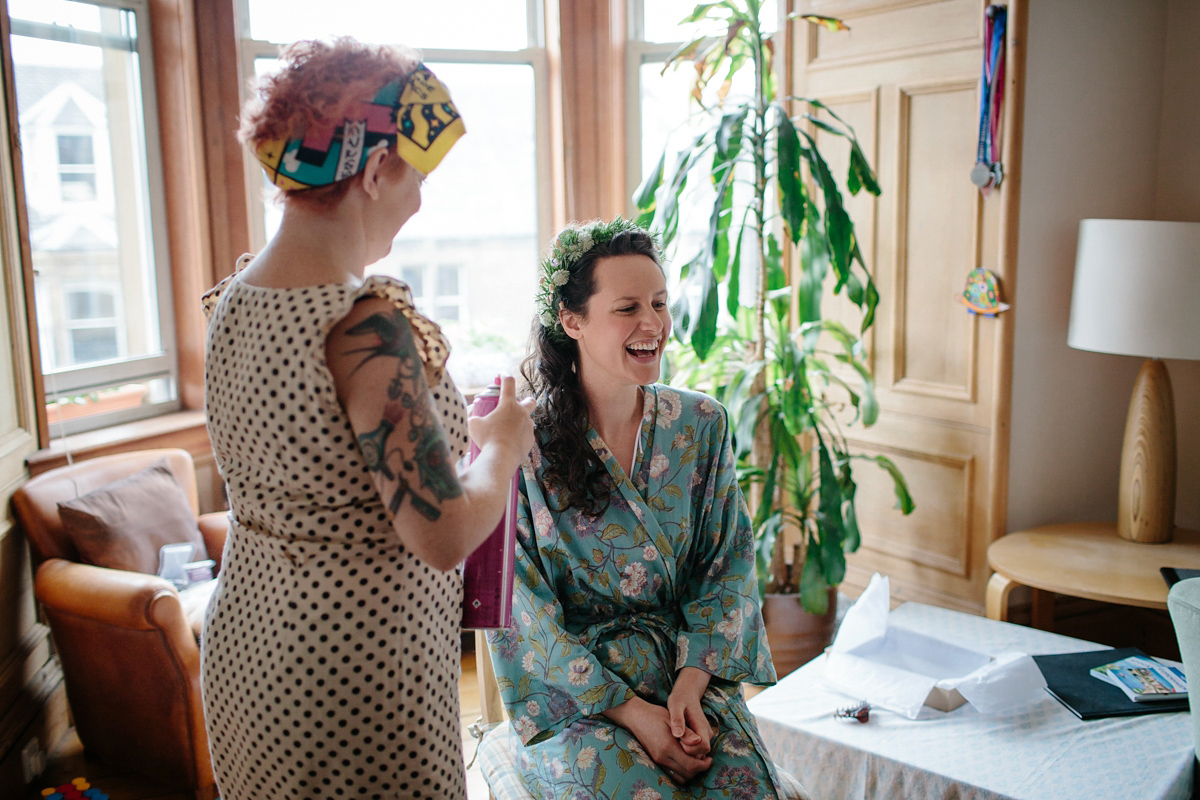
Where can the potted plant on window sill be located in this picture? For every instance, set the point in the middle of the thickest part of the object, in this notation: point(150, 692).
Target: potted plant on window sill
point(791, 379)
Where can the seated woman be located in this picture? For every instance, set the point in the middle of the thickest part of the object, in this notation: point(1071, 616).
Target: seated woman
point(636, 608)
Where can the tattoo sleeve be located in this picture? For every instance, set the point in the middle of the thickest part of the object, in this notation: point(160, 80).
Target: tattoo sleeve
point(421, 456)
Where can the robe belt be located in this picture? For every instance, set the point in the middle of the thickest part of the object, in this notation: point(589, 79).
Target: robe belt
point(664, 623)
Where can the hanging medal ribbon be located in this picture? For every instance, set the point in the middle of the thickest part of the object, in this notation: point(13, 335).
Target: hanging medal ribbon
point(988, 171)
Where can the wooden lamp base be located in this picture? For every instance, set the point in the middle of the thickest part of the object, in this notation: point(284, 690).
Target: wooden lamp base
point(1146, 500)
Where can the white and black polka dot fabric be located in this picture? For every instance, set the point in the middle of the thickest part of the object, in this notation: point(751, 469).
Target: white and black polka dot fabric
point(330, 655)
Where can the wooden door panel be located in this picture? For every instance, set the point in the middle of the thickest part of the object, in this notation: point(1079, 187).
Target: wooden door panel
point(891, 30)
point(937, 220)
point(939, 550)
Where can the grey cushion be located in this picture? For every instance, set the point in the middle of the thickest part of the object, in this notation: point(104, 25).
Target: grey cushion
point(1183, 601)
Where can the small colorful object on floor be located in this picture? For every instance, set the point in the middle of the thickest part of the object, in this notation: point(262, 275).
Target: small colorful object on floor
point(982, 293)
point(78, 789)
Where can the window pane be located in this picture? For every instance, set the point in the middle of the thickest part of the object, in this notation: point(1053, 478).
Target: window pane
point(460, 24)
point(412, 276)
point(58, 12)
point(90, 305)
point(93, 344)
point(75, 149)
point(77, 186)
point(81, 104)
point(479, 210)
point(661, 19)
point(666, 105)
point(447, 280)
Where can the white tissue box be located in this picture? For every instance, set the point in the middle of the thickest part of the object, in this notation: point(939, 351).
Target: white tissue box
point(905, 661)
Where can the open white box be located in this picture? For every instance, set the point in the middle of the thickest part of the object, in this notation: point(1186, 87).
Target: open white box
point(903, 660)
point(902, 670)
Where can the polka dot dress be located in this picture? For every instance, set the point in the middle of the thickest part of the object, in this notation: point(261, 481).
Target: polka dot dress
point(330, 655)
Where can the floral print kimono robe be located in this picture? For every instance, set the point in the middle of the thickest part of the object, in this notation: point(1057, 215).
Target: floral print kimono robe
point(608, 607)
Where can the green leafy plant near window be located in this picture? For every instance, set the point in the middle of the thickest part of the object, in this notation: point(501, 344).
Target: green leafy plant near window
point(791, 379)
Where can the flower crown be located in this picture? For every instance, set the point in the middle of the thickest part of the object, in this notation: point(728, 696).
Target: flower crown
point(571, 245)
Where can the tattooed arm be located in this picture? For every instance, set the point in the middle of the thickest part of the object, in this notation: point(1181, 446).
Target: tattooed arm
point(381, 384)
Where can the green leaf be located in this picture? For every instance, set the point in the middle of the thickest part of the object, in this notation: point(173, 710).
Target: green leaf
point(792, 194)
point(612, 531)
point(839, 230)
point(593, 695)
point(853, 538)
point(700, 324)
point(861, 170)
point(624, 760)
point(643, 198)
point(829, 517)
point(777, 279)
point(768, 531)
point(812, 101)
point(814, 590)
point(814, 266)
point(869, 304)
point(904, 500)
point(698, 13)
point(734, 280)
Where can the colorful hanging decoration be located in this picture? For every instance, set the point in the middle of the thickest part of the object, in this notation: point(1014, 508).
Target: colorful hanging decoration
point(988, 172)
point(982, 293)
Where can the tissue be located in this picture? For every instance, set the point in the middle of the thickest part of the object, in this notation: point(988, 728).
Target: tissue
point(902, 670)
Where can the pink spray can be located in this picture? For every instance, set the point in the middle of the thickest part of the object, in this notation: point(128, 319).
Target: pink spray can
point(488, 572)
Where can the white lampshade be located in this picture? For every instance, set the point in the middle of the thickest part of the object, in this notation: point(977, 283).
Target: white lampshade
point(1137, 288)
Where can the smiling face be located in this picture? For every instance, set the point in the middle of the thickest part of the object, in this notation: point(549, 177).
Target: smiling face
point(625, 327)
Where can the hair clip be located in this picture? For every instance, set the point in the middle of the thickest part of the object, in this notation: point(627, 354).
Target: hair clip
point(860, 712)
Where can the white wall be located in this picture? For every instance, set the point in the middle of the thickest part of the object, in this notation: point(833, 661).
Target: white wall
point(1111, 129)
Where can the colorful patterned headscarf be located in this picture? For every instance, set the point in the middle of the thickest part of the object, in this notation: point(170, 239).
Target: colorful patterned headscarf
point(414, 113)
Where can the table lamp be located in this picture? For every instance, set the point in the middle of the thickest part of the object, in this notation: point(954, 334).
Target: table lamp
point(1137, 293)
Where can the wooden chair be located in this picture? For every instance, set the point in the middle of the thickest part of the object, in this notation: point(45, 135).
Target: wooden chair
point(130, 659)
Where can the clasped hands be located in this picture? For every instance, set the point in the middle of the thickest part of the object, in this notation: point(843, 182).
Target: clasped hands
point(678, 737)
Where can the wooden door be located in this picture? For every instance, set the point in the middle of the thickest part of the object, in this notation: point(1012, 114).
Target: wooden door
point(906, 77)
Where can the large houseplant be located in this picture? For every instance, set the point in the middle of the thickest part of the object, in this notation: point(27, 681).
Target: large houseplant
point(791, 379)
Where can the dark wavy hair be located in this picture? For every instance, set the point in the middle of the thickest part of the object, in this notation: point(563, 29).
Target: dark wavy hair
point(560, 416)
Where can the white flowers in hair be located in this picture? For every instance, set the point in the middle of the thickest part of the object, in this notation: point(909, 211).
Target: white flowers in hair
point(569, 247)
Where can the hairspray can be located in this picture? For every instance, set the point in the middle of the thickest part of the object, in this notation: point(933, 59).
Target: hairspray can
point(488, 572)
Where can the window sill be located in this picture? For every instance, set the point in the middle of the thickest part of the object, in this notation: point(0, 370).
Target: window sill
point(185, 429)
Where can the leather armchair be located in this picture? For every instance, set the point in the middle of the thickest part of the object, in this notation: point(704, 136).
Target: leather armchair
point(130, 661)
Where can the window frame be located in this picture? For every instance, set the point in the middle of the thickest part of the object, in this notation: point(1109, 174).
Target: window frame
point(535, 54)
point(638, 53)
point(68, 381)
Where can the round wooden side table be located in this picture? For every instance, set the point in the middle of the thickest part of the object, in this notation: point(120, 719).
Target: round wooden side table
point(1084, 559)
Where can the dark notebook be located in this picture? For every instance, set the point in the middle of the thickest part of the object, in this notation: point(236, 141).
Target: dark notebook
point(1173, 575)
point(1069, 679)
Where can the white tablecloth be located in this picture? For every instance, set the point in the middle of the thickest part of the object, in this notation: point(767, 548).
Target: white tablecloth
point(1037, 751)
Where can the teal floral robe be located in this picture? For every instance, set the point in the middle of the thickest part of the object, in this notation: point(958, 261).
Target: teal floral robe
point(607, 608)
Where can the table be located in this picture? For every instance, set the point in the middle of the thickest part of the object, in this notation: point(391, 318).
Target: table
point(1084, 559)
point(1036, 752)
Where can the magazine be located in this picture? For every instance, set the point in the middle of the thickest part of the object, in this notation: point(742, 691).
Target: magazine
point(1144, 679)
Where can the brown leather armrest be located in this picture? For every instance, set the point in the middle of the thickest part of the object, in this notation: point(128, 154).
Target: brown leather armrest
point(214, 527)
point(116, 597)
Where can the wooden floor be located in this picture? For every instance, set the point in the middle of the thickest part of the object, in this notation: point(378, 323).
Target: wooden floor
point(67, 761)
